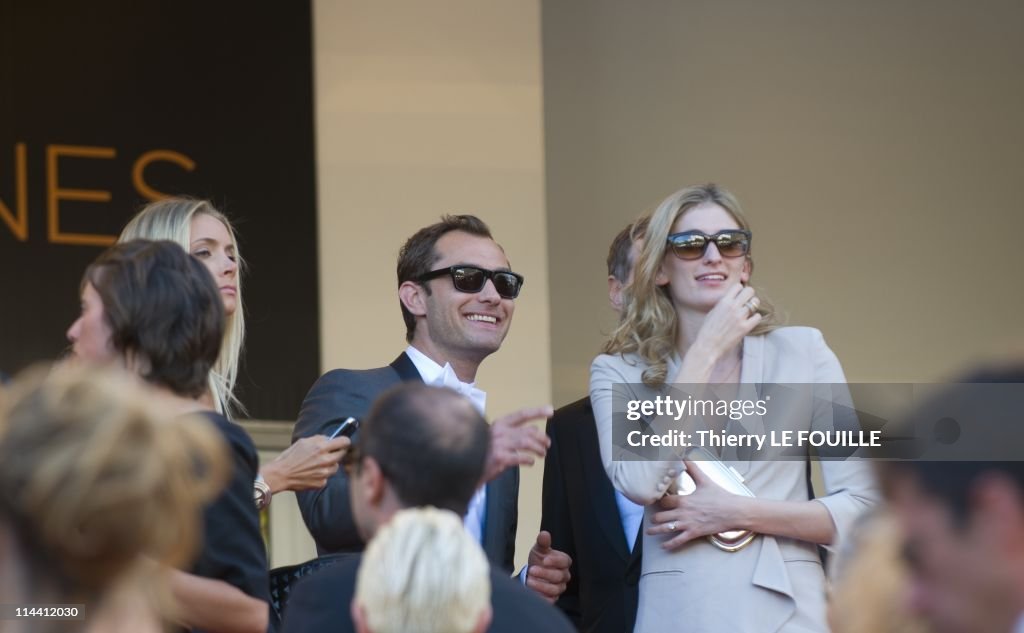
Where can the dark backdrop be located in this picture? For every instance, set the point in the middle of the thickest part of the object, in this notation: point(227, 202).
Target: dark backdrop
point(210, 99)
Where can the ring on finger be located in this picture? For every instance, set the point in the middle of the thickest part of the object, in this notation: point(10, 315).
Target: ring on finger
point(751, 306)
point(672, 526)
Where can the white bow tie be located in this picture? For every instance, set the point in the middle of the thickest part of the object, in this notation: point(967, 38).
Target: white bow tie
point(447, 378)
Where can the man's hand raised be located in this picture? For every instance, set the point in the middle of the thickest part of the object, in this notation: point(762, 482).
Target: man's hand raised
point(514, 442)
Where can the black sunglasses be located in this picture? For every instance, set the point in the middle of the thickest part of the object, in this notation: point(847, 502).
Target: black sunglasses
point(693, 244)
point(472, 279)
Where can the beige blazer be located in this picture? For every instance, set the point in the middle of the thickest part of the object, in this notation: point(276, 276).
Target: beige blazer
point(775, 583)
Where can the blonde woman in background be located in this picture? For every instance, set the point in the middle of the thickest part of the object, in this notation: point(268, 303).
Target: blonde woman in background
point(872, 581)
point(207, 234)
point(423, 572)
point(98, 490)
point(691, 318)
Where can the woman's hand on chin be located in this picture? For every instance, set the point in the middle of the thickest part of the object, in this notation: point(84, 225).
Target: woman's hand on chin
point(721, 332)
point(728, 322)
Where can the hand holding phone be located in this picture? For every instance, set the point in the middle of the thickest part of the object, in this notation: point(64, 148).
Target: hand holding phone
point(346, 428)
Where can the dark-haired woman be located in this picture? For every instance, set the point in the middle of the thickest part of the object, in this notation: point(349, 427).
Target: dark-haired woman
point(153, 309)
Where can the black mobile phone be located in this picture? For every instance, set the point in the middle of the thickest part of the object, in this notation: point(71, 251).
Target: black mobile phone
point(346, 428)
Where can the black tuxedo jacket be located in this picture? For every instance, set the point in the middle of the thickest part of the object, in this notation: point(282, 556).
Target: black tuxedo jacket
point(320, 602)
point(327, 513)
point(580, 511)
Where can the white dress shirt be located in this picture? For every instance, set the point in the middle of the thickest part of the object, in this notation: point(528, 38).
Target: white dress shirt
point(632, 515)
point(434, 374)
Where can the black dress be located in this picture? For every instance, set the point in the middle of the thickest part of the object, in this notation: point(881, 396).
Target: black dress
point(233, 548)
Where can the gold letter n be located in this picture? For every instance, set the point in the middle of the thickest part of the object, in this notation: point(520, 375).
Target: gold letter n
point(18, 223)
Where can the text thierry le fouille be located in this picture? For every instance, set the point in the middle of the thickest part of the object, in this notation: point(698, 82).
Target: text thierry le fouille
point(669, 409)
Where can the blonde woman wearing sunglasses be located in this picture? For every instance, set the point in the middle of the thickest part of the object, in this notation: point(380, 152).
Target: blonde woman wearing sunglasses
point(691, 321)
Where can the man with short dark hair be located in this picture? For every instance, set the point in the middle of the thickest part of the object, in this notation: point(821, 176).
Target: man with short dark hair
point(622, 254)
point(457, 294)
point(593, 523)
point(962, 521)
point(412, 429)
point(415, 429)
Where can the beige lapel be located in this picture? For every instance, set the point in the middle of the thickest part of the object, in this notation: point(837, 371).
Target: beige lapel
point(751, 378)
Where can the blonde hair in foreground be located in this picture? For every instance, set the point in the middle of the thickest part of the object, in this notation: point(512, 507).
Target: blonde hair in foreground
point(423, 572)
point(171, 219)
point(96, 486)
point(649, 327)
point(871, 581)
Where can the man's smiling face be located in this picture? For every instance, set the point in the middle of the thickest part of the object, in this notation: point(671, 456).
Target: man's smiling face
point(462, 324)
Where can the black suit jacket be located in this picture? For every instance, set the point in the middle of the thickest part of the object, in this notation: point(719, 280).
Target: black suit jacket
point(327, 512)
point(320, 602)
point(580, 511)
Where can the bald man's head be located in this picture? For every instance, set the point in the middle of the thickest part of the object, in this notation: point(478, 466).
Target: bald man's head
point(430, 443)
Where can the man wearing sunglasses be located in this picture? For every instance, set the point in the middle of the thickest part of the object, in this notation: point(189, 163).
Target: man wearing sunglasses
point(457, 294)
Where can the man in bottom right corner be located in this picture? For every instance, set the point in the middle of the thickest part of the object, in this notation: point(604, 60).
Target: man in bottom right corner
point(961, 519)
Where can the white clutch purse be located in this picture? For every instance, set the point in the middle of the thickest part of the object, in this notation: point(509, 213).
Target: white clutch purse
point(726, 477)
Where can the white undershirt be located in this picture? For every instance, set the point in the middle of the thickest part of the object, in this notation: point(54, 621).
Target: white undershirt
point(433, 374)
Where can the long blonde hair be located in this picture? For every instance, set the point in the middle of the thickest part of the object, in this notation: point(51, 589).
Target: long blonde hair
point(649, 327)
point(171, 219)
point(95, 482)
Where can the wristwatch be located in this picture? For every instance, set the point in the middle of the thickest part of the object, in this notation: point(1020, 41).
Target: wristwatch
point(261, 492)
